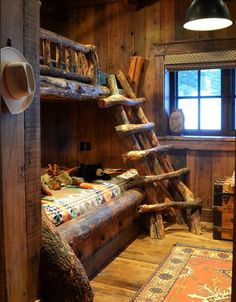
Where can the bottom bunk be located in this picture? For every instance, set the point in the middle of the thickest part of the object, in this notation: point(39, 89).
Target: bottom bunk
point(104, 230)
point(96, 219)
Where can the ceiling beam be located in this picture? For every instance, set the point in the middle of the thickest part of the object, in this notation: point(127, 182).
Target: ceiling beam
point(87, 3)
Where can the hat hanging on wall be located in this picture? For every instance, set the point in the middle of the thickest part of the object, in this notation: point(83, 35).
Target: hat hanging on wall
point(17, 80)
point(204, 15)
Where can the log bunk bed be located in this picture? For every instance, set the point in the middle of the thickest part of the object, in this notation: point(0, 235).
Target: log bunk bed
point(70, 71)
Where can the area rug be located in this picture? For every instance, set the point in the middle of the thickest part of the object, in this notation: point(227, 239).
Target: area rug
point(190, 274)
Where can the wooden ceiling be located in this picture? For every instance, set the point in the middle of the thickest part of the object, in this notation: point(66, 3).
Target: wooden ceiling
point(130, 4)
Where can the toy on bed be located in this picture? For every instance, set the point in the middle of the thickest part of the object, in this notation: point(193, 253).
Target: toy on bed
point(73, 201)
point(92, 172)
point(54, 178)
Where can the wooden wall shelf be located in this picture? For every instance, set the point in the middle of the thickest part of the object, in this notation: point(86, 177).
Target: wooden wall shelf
point(210, 143)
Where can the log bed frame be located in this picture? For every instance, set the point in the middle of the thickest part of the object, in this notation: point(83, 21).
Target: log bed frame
point(70, 71)
point(102, 232)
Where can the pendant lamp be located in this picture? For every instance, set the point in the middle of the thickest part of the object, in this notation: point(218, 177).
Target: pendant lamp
point(204, 15)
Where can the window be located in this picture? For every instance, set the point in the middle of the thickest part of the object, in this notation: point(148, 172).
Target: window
point(207, 98)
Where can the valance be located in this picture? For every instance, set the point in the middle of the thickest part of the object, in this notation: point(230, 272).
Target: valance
point(201, 60)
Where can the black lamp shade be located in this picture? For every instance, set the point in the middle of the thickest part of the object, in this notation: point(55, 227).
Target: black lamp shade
point(207, 15)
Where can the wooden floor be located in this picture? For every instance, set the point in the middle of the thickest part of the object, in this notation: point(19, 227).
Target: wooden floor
point(120, 279)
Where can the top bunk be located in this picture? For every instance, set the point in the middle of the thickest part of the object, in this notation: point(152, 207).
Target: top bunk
point(68, 70)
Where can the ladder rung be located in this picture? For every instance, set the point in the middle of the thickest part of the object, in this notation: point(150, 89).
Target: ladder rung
point(127, 129)
point(158, 207)
point(118, 99)
point(137, 155)
point(169, 175)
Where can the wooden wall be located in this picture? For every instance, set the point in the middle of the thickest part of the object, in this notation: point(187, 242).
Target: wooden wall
point(66, 125)
point(20, 210)
point(119, 34)
point(208, 159)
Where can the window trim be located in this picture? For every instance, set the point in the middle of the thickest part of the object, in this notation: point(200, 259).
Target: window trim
point(227, 103)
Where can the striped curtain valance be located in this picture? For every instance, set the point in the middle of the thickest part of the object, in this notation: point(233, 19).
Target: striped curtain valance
point(201, 60)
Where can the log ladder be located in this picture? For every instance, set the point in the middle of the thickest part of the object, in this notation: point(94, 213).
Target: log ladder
point(166, 193)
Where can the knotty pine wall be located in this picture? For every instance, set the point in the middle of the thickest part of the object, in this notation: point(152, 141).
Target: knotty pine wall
point(119, 34)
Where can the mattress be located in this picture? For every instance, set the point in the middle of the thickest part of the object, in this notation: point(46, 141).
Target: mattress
point(71, 201)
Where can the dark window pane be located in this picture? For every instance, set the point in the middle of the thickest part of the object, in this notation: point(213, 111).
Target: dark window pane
point(210, 82)
point(210, 114)
point(235, 114)
point(235, 81)
point(187, 83)
point(190, 110)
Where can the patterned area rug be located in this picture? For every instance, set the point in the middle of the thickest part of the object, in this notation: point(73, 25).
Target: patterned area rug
point(190, 274)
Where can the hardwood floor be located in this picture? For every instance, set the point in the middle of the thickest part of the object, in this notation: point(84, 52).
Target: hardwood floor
point(122, 277)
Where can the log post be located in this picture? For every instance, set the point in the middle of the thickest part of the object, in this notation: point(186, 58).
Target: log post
point(135, 71)
point(58, 56)
point(47, 52)
point(77, 62)
point(96, 69)
point(68, 59)
point(63, 277)
point(84, 64)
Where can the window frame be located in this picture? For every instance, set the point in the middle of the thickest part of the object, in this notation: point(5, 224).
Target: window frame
point(227, 102)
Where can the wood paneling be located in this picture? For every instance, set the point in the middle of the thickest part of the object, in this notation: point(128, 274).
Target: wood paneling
point(19, 168)
point(66, 125)
point(32, 152)
point(127, 38)
point(113, 38)
point(12, 175)
point(168, 28)
point(100, 38)
point(207, 161)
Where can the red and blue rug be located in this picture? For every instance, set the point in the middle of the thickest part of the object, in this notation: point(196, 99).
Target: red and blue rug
point(190, 274)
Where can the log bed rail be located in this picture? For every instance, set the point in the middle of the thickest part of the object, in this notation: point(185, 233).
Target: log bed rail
point(68, 69)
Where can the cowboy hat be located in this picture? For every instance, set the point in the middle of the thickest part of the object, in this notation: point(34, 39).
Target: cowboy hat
point(17, 80)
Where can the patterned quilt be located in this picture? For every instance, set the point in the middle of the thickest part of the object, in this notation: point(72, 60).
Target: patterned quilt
point(70, 202)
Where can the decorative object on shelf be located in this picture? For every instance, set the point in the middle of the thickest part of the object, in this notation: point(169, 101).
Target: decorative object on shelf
point(176, 121)
point(17, 80)
point(204, 15)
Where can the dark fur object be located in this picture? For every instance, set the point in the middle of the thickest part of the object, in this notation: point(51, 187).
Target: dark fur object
point(135, 5)
point(91, 172)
